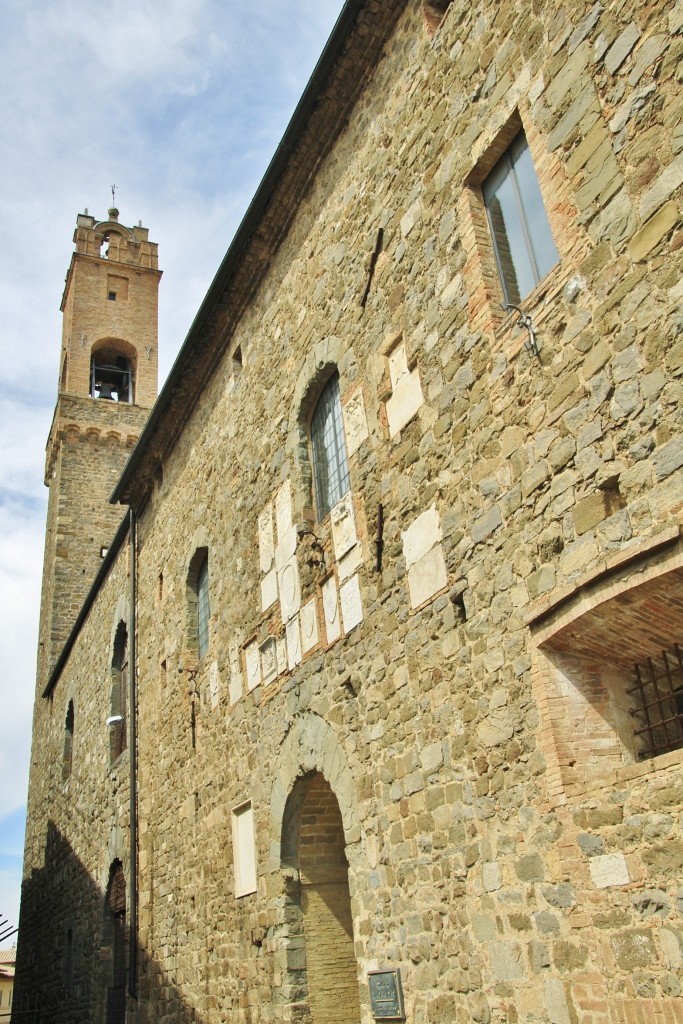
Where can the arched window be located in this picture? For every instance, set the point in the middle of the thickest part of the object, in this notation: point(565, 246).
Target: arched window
point(118, 740)
point(330, 464)
point(203, 611)
point(198, 608)
point(114, 941)
point(111, 376)
point(68, 741)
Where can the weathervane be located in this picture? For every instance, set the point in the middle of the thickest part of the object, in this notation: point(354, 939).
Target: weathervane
point(113, 195)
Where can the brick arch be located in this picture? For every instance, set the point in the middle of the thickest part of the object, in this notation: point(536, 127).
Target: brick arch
point(330, 355)
point(310, 746)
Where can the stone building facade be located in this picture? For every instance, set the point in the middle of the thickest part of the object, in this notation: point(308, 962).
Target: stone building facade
point(374, 709)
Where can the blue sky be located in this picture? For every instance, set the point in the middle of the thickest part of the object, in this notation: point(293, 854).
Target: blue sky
point(181, 103)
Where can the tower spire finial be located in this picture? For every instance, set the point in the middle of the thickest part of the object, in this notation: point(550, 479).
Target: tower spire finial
point(113, 195)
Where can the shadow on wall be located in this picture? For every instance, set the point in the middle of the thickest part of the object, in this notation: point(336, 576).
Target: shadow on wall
point(68, 955)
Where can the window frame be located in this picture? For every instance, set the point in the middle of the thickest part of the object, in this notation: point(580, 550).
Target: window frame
point(329, 462)
point(203, 607)
point(510, 163)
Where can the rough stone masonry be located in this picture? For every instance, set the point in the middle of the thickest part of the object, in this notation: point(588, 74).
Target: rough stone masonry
point(439, 730)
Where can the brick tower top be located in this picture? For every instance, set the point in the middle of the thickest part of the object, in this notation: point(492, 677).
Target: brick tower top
point(109, 338)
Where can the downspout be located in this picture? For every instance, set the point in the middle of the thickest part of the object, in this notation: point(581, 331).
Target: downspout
point(133, 760)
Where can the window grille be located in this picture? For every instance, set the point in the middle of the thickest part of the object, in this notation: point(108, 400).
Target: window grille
point(330, 465)
point(203, 611)
point(522, 239)
point(657, 693)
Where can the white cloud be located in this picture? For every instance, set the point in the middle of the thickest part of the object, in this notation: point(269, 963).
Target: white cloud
point(181, 103)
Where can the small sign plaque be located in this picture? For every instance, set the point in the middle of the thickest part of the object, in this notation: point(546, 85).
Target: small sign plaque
point(386, 995)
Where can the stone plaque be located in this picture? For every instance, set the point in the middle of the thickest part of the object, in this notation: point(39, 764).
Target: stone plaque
point(268, 660)
point(253, 663)
point(309, 626)
point(285, 547)
point(350, 563)
point(331, 610)
point(355, 422)
point(293, 643)
point(268, 590)
point(386, 995)
point(427, 577)
point(283, 509)
point(266, 541)
point(398, 366)
point(343, 526)
point(351, 606)
point(290, 591)
point(281, 655)
point(236, 684)
point(421, 536)
point(214, 684)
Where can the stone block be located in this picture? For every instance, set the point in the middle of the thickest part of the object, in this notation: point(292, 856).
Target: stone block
point(621, 48)
point(344, 535)
point(667, 459)
point(283, 509)
point(662, 188)
point(530, 868)
point(252, 662)
point(355, 422)
point(427, 577)
point(507, 960)
point(653, 231)
point(556, 1002)
point(633, 949)
point(266, 538)
point(293, 634)
point(331, 610)
point(268, 590)
point(609, 870)
point(404, 402)
point(492, 877)
point(351, 604)
point(268, 652)
point(309, 626)
point(289, 589)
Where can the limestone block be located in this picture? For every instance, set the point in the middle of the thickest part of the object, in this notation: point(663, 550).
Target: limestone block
point(290, 589)
point(608, 870)
point(427, 577)
point(252, 661)
point(350, 563)
point(268, 590)
point(431, 757)
point(266, 540)
point(556, 1001)
point(214, 684)
point(662, 187)
point(331, 609)
point(507, 960)
point(491, 876)
point(496, 728)
point(344, 534)
point(309, 626)
point(671, 947)
point(268, 653)
point(355, 422)
point(653, 231)
point(283, 509)
point(421, 536)
point(398, 366)
point(621, 47)
point(293, 643)
point(351, 604)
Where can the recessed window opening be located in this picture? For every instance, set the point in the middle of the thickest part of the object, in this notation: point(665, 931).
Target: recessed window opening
point(118, 740)
point(104, 247)
point(434, 12)
point(330, 464)
point(522, 239)
point(115, 964)
point(67, 760)
point(657, 692)
point(203, 610)
point(111, 376)
point(111, 296)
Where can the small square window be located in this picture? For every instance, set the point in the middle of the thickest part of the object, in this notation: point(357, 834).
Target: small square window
point(112, 296)
point(522, 240)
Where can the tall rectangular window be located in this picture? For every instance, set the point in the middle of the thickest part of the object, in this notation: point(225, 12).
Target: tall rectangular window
point(330, 464)
point(522, 240)
point(244, 850)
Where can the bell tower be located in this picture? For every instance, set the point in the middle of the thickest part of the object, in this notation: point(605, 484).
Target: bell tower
point(107, 386)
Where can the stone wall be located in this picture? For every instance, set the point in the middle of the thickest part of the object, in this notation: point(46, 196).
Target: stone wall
point(503, 509)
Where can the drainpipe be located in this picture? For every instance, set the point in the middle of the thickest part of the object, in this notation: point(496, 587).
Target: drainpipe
point(133, 760)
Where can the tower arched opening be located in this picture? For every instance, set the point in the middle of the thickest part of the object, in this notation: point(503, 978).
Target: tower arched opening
point(112, 371)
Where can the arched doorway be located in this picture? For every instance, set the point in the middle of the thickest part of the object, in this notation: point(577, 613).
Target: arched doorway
point(115, 943)
point(313, 844)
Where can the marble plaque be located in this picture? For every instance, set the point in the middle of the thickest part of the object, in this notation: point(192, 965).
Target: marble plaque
point(236, 678)
point(421, 536)
point(351, 605)
point(269, 660)
point(285, 547)
point(290, 591)
point(404, 402)
point(268, 590)
point(331, 610)
point(355, 422)
point(281, 654)
point(253, 663)
point(309, 626)
point(343, 526)
point(350, 563)
point(398, 366)
point(293, 643)
point(214, 685)
point(427, 577)
point(283, 509)
point(266, 540)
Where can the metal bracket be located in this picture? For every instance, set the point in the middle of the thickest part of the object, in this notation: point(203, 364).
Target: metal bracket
point(531, 344)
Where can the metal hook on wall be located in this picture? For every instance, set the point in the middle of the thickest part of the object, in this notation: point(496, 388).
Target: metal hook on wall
point(531, 344)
